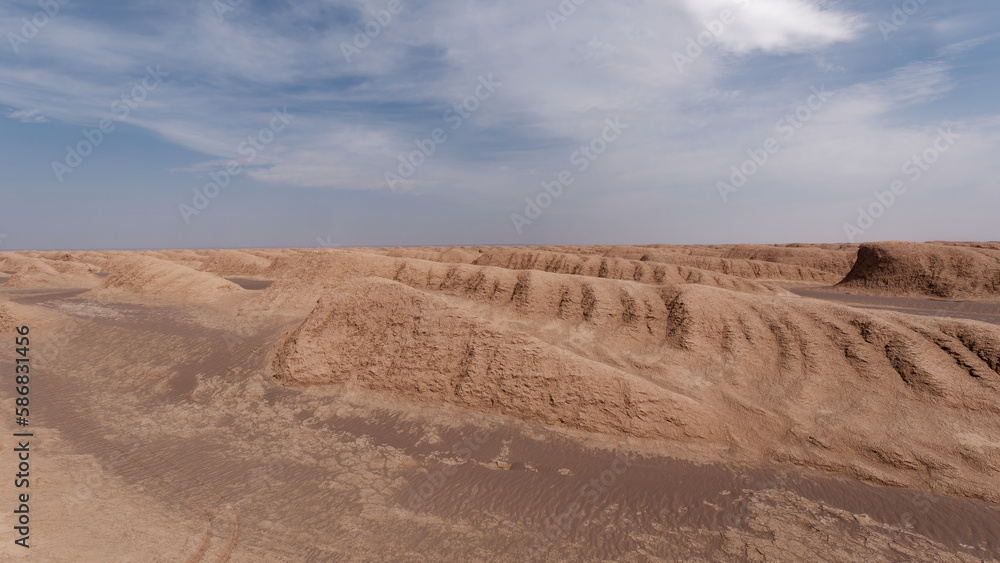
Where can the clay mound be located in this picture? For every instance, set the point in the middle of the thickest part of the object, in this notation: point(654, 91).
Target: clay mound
point(25, 265)
point(736, 266)
point(836, 262)
point(188, 259)
point(415, 253)
point(992, 245)
point(693, 250)
point(454, 254)
point(848, 246)
point(95, 261)
point(458, 255)
point(59, 256)
point(380, 335)
point(271, 254)
point(233, 263)
point(152, 277)
point(615, 268)
point(747, 268)
point(781, 378)
point(824, 385)
point(34, 270)
point(920, 269)
point(535, 294)
point(33, 280)
point(628, 252)
point(300, 278)
point(180, 255)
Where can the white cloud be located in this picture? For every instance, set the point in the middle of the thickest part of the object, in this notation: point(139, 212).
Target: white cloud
point(28, 116)
point(778, 26)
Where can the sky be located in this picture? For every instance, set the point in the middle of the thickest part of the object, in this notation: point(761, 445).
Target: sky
point(308, 123)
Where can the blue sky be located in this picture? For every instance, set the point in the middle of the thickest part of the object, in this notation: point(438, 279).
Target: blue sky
point(547, 83)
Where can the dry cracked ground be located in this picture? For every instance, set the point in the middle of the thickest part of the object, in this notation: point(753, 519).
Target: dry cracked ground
point(564, 403)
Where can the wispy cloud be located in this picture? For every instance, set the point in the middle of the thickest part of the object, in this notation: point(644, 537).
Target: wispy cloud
point(968, 45)
point(607, 59)
point(28, 116)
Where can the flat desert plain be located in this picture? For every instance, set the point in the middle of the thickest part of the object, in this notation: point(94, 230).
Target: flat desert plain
point(563, 403)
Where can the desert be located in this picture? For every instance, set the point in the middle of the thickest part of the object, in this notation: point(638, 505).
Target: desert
point(555, 403)
point(431, 281)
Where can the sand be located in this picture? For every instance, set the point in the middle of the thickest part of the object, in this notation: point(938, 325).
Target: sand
point(7, 321)
point(563, 403)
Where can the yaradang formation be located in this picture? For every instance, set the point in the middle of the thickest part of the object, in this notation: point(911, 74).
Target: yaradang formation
point(732, 364)
point(332, 391)
point(931, 270)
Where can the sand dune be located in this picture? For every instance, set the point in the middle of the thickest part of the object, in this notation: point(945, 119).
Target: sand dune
point(907, 268)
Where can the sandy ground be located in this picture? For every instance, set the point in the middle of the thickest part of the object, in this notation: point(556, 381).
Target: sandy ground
point(167, 430)
point(971, 310)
